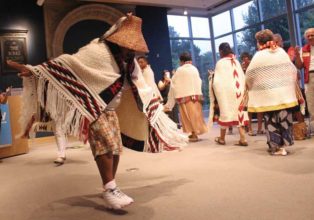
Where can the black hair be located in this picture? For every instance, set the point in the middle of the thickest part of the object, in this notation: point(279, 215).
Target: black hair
point(245, 54)
point(225, 49)
point(185, 56)
point(142, 57)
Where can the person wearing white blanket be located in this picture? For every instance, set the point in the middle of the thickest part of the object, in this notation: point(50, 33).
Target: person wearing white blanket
point(186, 90)
point(271, 80)
point(228, 86)
point(87, 88)
point(149, 75)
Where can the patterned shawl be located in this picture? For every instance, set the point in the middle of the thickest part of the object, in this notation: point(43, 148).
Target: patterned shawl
point(81, 85)
point(270, 79)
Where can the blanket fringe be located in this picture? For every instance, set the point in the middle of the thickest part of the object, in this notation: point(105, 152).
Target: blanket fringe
point(164, 134)
point(55, 102)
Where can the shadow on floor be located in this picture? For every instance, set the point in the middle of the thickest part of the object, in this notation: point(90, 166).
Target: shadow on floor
point(92, 206)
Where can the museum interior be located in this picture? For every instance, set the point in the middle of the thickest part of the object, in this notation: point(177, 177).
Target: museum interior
point(69, 90)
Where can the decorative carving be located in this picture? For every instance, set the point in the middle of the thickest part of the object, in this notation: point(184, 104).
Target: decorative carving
point(58, 22)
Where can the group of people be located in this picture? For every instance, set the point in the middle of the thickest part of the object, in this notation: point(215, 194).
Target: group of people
point(267, 85)
point(86, 89)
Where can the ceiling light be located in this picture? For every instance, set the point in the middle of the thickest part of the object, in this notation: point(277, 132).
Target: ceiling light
point(185, 12)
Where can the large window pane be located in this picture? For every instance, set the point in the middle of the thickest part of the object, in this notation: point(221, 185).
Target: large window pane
point(200, 27)
point(246, 40)
point(272, 8)
point(303, 3)
point(178, 26)
point(222, 23)
point(178, 47)
point(306, 20)
point(203, 61)
point(280, 26)
point(245, 15)
point(227, 39)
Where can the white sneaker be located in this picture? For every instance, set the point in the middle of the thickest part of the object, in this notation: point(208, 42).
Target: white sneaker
point(128, 198)
point(59, 160)
point(115, 199)
point(281, 152)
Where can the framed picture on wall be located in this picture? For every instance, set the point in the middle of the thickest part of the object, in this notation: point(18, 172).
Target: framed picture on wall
point(12, 48)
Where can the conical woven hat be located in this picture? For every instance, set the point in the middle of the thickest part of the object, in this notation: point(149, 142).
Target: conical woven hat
point(129, 35)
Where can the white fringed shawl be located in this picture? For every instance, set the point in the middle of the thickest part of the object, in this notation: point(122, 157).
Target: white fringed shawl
point(94, 69)
point(271, 78)
point(149, 77)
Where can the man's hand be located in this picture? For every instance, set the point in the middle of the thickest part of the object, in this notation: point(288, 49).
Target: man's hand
point(297, 51)
point(166, 109)
point(23, 71)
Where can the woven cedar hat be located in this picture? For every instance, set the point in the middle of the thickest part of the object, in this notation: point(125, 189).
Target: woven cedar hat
point(129, 34)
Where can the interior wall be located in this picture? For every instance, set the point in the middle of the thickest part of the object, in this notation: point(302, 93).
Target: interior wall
point(156, 34)
point(26, 15)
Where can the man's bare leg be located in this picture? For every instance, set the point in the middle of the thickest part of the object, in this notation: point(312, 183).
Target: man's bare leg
point(116, 159)
point(105, 167)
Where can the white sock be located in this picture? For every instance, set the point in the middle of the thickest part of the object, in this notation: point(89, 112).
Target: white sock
point(110, 185)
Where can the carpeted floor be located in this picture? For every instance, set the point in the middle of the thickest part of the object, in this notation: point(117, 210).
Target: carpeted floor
point(204, 181)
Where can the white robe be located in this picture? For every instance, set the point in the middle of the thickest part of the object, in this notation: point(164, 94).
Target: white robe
point(228, 86)
point(149, 78)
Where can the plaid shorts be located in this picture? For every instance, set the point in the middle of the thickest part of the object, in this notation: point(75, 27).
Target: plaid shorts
point(104, 135)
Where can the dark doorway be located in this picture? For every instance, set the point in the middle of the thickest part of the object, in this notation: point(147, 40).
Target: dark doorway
point(82, 33)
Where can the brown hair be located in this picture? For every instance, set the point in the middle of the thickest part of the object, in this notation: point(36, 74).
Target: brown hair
point(264, 36)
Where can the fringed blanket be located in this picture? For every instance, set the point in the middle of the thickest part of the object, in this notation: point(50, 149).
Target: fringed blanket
point(271, 78)
point(228, 85)
point(81, 85)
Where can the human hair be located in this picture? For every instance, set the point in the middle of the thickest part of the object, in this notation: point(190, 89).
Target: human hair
point(225, 49)
point(307, 31)
point(142, 57)
point(278, 36)
point(245, 54)
point(185, 56)
point(264, 36)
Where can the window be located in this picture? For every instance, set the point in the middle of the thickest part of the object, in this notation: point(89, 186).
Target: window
point(222, 23)
point(200, 27)
point(227, 39)
point(178, 47)
point(204, 61)
point(178, 26)
point(203, 55)
point(306, 20)
point(198, 44)
point(273, 8)
point(245, 15)
point(280, 26)
point(246, 40)
point(303, 3)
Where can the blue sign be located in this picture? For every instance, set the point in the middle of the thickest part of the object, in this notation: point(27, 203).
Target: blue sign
point(5, 133)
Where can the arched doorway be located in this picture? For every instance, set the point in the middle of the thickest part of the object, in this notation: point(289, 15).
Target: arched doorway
point(82, 33)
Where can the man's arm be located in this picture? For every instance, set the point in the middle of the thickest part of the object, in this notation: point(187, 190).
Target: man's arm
point(298, 60)
point(23, 71)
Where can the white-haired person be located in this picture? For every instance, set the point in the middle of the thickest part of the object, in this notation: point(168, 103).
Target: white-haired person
point(304, 59)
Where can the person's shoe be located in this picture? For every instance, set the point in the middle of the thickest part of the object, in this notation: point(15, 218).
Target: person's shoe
point(115, 199)
point(193, 139)
point(280, 152)
point(59, 160)
point(128, 198)
point(261, 132)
